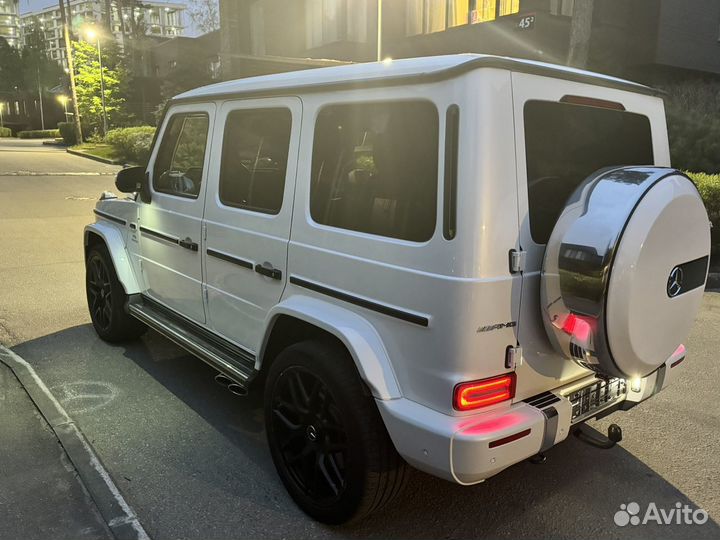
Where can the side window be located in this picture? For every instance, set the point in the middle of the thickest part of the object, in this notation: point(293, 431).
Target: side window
point(179, 164)
point(254, 159)
point(375, 168)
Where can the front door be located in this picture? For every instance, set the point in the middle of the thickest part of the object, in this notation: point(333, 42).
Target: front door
point(170, 225)
point(252, 179)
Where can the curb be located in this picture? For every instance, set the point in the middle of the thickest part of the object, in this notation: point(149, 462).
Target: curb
point(94, 158)
point(119, 517)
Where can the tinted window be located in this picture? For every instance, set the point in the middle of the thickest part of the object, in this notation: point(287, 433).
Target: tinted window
point(375, 169)
point(566, 143)
point(254, 159)
point(179, 164)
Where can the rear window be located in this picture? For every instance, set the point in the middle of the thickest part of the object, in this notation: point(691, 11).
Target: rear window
point(566, 143)
point(375, 168)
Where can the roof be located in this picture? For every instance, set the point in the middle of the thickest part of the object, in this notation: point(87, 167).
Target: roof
point(402, 71)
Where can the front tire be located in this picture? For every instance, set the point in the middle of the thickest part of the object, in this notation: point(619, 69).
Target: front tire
point(107, 299)
point(328, 442)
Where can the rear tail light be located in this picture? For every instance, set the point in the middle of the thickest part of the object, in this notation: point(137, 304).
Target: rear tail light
point(477, 394)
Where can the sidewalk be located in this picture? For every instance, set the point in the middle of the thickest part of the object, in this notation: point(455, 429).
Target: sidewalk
point(41, 495)
point(52, 484)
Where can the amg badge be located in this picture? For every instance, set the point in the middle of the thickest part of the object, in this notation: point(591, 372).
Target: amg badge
point(491, 327)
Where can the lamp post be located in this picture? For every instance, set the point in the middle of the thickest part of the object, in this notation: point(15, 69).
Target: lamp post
point(2, 122)
point(93, 36)
point(64, 100)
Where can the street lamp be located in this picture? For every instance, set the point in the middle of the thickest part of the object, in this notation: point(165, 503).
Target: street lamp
point(64, 99)
point(92, 35)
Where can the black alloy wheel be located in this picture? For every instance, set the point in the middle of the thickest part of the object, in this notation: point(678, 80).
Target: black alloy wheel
point(99, 290)
point(311, 436)
point(327, 439)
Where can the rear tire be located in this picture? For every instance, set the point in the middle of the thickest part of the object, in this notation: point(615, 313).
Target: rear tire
point(107, 299)
point(326, 437)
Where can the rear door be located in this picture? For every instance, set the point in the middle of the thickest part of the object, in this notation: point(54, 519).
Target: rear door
point(248, 215)
point(564, 132)
point(170, 225)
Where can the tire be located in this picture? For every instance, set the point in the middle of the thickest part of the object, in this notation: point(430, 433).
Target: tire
point(324, 430)
point(107, 299)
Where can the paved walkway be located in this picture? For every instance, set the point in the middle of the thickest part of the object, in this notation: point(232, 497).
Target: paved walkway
point(42, 496)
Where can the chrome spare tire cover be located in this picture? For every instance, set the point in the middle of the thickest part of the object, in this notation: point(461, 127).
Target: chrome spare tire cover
point(625, 269)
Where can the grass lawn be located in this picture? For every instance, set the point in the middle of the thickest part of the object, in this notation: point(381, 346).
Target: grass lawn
point(97, 149)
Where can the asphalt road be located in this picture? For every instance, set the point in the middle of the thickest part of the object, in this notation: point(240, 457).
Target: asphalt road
point(191, 458)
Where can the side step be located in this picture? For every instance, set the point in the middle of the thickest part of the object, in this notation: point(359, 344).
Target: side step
point(230, 360)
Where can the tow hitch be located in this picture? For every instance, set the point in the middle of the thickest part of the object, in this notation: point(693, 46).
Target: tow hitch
point(614, 436)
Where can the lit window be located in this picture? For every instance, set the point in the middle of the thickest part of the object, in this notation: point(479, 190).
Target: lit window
point(329, 21)
point(509, 7)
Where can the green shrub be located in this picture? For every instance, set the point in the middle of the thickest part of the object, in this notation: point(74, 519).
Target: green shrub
point(39, 134)
point(709, 187)
point(132, 145)
point(5, 132)
point(67, 132)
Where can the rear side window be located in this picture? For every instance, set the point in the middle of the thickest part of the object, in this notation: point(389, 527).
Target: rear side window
point(375, 169)
point(566, 143)
point(179, 164)
point(254, 159)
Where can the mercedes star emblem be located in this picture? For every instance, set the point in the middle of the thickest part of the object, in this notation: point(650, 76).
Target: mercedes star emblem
point(675, 281)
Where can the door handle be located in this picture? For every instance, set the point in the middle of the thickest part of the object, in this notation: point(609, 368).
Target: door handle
point(188, 244)
point(266, 269)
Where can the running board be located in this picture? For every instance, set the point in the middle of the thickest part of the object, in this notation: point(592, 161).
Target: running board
point(227, 358)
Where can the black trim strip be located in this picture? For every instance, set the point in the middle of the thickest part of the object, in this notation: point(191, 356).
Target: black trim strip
point(368, 304)
point(159, 235)
point(510, 64)
point(229, 258)
point(452, 128)
point(110, 217)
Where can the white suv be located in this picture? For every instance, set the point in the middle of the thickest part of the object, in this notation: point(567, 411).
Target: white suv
point(450, 262)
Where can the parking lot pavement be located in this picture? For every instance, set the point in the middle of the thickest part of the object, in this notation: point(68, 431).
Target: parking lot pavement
point(42, 495)
point(192, 461)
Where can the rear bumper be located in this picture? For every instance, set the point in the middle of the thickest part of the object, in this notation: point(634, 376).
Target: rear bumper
point(470, 449)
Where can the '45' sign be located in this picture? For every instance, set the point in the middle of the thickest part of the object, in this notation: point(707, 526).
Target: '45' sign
point(527, 22)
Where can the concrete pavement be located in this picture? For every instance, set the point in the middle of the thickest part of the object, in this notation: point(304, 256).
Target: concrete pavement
point(191, 458)
point(41, 496)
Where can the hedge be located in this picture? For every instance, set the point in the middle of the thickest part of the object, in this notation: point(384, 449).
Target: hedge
point(39, 134)
point(132, 145)
point(67, 132)
point(5, 132)
point(709, 187)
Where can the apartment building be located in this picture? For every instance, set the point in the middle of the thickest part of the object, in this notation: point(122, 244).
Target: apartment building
point(9, 22)
point(155, 18)
point(638, 38)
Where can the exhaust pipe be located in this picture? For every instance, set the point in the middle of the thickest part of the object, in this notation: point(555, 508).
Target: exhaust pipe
point(223, 380)
point(237, 390)
point(230, 385)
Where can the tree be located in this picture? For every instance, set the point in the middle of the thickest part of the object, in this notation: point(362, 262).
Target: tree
point(580, 33)
point(87, 79)
point(205, 14)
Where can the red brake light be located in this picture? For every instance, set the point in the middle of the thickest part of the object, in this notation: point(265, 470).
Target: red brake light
point(593, 102)
point(477, 394)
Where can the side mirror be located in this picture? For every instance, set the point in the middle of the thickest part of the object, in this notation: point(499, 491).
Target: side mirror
point(130, 180)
